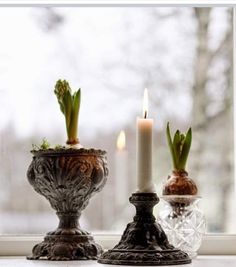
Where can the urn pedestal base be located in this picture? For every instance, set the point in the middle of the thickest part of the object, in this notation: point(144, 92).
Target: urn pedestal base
point(67, 242)
point(144, 242)
point(66, 247)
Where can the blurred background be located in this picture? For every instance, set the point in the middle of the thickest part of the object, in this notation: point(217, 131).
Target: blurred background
point(184, 56)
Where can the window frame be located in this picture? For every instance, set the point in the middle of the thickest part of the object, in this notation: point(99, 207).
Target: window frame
point(118, 3)
point(213, 244)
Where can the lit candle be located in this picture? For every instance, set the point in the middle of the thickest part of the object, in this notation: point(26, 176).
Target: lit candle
point(144, 150)
point(121, 168)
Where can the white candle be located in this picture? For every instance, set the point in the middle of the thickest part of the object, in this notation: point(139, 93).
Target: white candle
point(121, 171)
point(144, 150)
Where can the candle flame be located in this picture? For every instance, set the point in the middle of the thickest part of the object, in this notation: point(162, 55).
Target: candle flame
point(121, 141)
point(145, 103)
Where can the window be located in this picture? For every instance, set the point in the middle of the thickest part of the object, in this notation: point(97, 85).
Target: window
point(184, 56)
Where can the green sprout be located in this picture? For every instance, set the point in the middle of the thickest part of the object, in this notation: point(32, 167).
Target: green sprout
point(179, 147)
point(44, 145)
point(58, 146)
point(69, 105)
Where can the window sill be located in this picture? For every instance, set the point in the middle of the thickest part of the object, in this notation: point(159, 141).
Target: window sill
point(200, 261)
point(22, 245)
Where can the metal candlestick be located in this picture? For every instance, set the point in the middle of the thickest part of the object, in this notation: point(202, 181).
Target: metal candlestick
point(144, 242)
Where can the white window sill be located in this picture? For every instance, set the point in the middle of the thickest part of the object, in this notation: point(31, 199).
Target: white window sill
point(22, 245)
point(200, 261)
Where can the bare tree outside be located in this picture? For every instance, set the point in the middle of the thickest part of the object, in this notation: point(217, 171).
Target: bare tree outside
point(184, 56)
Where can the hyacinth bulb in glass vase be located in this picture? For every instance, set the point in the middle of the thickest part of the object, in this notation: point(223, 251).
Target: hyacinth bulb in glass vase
point(180, 217)
point(67, 176)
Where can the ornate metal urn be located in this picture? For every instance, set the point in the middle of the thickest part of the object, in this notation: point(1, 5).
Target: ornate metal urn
point(68, 178)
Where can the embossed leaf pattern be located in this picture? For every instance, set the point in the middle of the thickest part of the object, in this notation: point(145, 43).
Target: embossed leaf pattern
point(68, 181)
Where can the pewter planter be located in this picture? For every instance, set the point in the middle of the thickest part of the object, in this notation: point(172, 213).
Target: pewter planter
point(68, 178)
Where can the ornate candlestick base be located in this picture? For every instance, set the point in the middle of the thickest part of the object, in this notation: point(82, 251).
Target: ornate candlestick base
point(144, 242)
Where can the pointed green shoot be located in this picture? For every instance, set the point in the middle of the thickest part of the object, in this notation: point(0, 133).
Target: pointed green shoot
point(67, 103)
point(75, 114)
point(171, 147)
point(176, 145)
point(185, 150)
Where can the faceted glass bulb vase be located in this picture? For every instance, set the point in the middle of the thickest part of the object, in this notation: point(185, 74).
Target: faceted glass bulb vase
point(183, 222)
point(68, 178)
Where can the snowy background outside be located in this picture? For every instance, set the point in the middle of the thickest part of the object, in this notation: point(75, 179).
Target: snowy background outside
point(182, 55)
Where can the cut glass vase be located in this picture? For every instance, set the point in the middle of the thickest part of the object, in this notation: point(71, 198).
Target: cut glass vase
point(183, 222)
